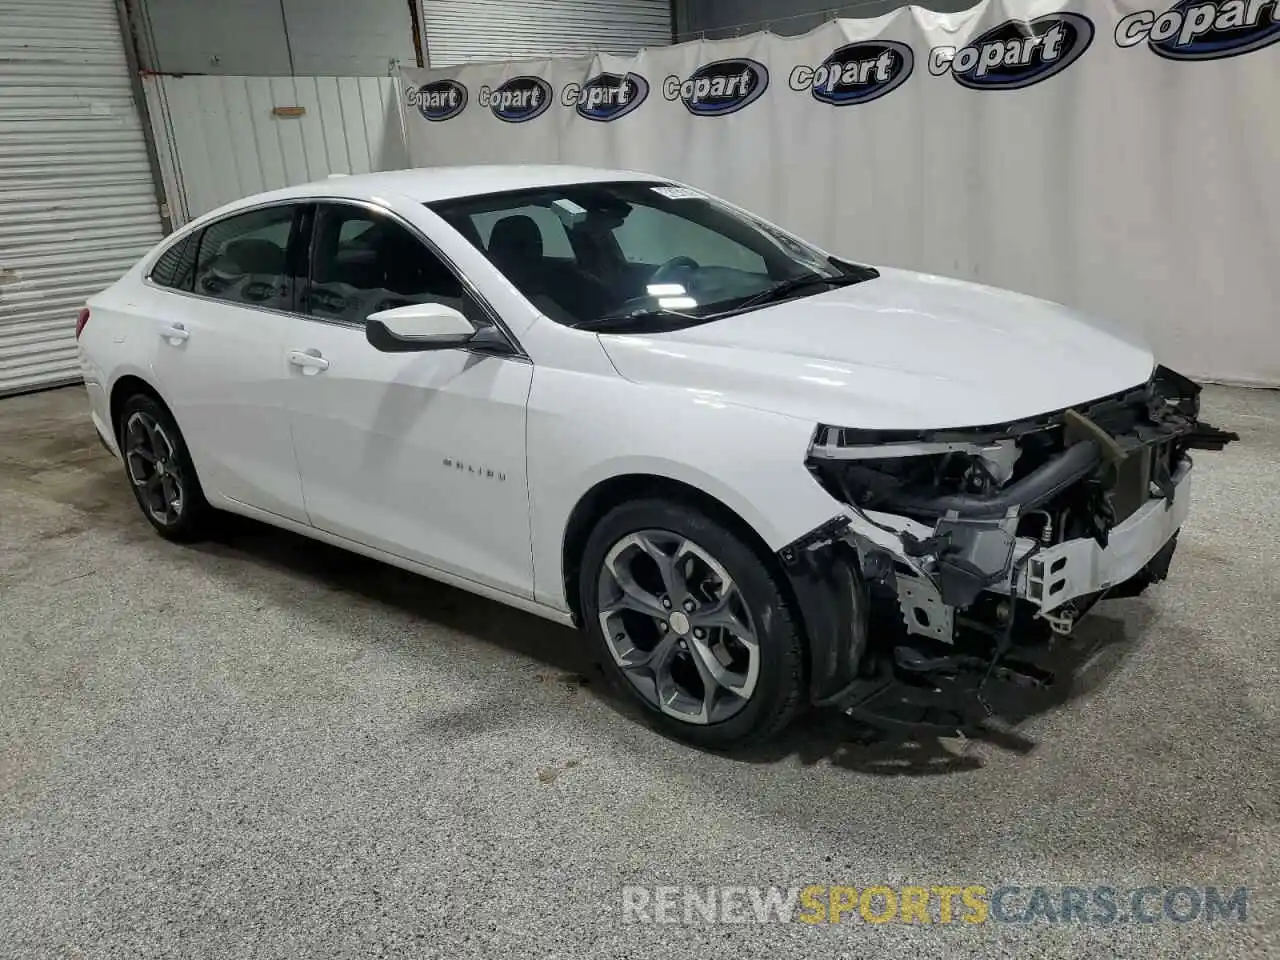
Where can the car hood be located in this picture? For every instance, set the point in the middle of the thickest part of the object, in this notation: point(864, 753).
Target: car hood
point(906, 351)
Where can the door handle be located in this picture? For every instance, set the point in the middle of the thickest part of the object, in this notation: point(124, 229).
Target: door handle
point(175, 333)
point(310, 361)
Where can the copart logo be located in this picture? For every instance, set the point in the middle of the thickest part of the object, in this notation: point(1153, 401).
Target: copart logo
point(718, 88)
point(518, 100)
point(1017, 53)
point(439, 100)
point(855, 73)
point(1195, 30)
point(606, 96)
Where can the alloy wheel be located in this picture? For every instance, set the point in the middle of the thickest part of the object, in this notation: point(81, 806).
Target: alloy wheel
point(678, 626)
point(153, 468)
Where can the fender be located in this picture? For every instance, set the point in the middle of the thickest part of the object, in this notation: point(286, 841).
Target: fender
point(750, 460)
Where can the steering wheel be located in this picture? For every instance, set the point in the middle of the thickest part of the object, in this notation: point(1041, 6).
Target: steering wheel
point(672, 265)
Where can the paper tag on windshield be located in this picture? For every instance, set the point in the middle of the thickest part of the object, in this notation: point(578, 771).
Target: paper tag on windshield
point(678, 193)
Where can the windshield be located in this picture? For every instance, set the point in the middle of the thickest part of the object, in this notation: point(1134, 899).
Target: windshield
point(639, 255)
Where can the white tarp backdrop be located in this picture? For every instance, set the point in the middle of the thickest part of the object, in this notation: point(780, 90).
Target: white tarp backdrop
point(1117, 157)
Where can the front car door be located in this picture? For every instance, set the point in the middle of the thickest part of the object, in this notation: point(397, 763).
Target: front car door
point(422, 454)
point(219, 302)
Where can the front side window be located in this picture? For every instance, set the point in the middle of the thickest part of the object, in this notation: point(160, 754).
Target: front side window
point(243, 259)
point(639, 255)
point(363, 262)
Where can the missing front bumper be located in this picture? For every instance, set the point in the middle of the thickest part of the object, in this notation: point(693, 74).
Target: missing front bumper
point(1049, 511)
point(981, 541)
point(1057, 575)
point(1055, 582)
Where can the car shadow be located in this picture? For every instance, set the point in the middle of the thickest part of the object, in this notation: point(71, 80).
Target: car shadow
point(909, 746)
point(913, 741)
point(430, 601)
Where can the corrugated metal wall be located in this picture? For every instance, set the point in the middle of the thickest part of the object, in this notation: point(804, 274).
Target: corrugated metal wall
point(718, 19)
point(274, 38)
point(77, 199)
point(219, 141)
point(461, 30)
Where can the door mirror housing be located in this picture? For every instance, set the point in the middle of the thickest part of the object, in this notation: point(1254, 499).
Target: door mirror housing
point(419, 326)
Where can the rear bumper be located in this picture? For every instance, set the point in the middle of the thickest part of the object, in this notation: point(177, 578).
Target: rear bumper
point(99, 414)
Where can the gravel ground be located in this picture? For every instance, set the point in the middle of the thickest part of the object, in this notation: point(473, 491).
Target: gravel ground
point(265, 747)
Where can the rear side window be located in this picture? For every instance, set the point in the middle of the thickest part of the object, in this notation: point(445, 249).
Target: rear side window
point(176, 266)
point(244, 259)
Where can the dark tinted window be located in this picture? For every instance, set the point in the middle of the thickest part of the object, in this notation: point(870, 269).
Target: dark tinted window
point(244, 259)
point(362, 263)
point(176, 266)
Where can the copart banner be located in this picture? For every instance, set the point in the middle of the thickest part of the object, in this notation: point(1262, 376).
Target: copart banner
point(1117, 157)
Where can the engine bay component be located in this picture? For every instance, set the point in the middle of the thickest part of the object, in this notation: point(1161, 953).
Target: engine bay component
point(977, 556)
point(1045, 482)
point(1073, 473)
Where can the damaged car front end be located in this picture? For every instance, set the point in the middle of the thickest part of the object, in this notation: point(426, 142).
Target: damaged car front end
point(970, 537)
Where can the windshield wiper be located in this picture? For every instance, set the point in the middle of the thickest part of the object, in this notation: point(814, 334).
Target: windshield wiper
point(635, 319)
point(644, 319)
point(785, 288)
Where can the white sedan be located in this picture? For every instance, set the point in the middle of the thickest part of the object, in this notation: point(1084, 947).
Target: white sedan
point(618, 402)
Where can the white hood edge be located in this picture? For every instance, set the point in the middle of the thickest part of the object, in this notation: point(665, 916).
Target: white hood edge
point(905, 351)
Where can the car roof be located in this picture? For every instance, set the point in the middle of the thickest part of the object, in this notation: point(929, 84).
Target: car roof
point(428, 184)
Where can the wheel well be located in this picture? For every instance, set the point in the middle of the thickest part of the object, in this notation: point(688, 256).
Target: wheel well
point(124, 388)
point(607, 494)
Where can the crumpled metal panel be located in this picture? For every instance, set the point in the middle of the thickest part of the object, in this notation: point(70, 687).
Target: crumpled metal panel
point(77, 200)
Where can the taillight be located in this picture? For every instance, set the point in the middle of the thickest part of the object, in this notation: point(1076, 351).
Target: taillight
point(81, 321)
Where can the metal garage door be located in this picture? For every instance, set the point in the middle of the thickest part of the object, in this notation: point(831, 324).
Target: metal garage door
point(77, 199)
point(462, 30)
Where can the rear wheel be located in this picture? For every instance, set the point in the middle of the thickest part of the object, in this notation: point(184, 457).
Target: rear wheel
point(160, 471)
point(689, 622)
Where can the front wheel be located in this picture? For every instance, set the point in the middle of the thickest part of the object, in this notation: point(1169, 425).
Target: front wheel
point(689, 622)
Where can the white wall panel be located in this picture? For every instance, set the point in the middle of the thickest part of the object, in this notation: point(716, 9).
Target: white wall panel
point(459, 31)
point(219, 140)
point(77, 199)
point(1127, 184)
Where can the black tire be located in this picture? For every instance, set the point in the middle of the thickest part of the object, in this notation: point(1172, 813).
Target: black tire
point(189, 520)
point(780, 683)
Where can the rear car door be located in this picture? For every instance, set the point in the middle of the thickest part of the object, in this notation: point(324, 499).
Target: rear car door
point(418, 454)
point(219, 318)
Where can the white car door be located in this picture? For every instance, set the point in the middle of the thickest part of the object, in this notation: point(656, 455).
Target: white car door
point(419, 454)
point(218, 360)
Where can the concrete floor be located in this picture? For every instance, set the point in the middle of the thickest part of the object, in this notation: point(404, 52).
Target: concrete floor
point(265, 747)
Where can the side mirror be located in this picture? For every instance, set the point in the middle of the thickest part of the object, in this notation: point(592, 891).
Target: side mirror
point(418, 326)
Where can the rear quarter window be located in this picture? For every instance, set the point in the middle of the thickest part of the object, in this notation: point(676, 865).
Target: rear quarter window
point(175, 267)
